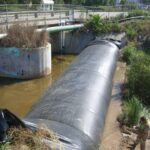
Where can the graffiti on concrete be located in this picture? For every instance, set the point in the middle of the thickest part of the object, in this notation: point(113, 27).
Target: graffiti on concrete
point(12, 50)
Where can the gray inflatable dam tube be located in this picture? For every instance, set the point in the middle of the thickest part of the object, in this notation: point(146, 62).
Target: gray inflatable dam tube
point(76, 104)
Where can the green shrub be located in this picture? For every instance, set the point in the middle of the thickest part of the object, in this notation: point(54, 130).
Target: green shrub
point(128, 53)
point(94, 23)
point(138, 77)
point(98, 25)
point(115, 27)
point(132, 110)
point(131, 33)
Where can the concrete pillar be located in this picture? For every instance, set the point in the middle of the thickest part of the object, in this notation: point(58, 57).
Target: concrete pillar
point(25, 63)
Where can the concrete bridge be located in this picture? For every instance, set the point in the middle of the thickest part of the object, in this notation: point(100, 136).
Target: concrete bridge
point(61, 15)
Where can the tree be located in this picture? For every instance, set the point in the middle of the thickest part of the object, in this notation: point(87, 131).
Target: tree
point(122, 2)
point(78, 2)
point(95, 2)
point(112, 2)
point(145, 1)
point(67, 1)
point(8, 1)
point(59, 1)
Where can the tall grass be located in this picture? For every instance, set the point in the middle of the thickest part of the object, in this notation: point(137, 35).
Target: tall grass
point(136, 30)
point(20, 138)
point(24, 36)
point(132, 110)
point(128, 53)
point(138, 77)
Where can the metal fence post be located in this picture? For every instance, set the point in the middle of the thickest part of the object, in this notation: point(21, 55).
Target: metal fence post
point(6, 17)
point(27, 15)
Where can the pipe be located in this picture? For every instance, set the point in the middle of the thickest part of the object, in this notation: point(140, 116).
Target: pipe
point(2, 35)
point(76, 104)
point(61, 28)
point(133, 18)
point(54, 29)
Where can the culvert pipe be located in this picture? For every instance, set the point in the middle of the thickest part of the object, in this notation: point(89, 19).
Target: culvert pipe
point(75, 105)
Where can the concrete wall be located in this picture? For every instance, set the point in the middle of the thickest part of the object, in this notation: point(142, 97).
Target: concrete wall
point(73, 42)
point(70, 42)
point(26, 63)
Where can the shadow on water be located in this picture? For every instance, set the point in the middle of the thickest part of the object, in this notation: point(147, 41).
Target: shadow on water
point(7, 81)
point(19, 95)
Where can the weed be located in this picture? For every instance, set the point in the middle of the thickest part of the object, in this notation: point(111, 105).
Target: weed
point(138, 77)
point(132, 110)
point(98, 25)
point(128, 53)
point(20, 138)
point(24, 36)
point(136, 30)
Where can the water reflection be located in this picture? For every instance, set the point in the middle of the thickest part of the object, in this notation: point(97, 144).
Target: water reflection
point(18, 96)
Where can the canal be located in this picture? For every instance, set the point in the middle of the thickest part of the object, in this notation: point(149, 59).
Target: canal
point(19, 95)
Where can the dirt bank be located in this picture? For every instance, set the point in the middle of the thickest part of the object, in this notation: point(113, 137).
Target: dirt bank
point(112, 138)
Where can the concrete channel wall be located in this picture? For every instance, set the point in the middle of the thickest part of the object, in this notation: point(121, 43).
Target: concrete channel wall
point(74, 42)
point(70, 42)
point(25, 63)
point(76, 104)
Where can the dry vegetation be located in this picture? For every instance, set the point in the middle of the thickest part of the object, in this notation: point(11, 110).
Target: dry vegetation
point(25, 139)
point(24, 36)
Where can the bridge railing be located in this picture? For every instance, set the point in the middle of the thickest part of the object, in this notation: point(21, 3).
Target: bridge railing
point(36, 7)
point(26, 13)
point(23, 13)
point(18, 13)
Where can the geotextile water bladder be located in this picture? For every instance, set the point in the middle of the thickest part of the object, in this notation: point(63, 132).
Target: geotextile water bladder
point(75, 105)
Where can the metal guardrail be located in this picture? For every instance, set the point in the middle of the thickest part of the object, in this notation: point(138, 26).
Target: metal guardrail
point(35, 18)
point(36, 7)
point(26, 13)
point(11, 14)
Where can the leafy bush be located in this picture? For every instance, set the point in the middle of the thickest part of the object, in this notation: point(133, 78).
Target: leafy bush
point(128, 53)
point(132, 110)
point(24, 36)
point(115, 27)
point(9, 2)
point(94, 23)
point(98, 25)
point(131, 33)
point(138, 77)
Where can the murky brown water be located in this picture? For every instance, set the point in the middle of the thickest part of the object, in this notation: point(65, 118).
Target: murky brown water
point(18, 96)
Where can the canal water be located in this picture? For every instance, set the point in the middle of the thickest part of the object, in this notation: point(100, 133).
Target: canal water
point(19, 95)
